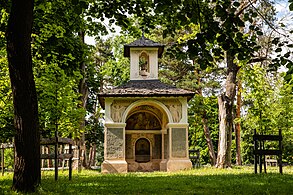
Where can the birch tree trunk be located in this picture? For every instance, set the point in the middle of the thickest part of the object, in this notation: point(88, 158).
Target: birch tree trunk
point(225, 102)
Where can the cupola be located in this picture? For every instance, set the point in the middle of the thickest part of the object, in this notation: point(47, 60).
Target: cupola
point(144, 54)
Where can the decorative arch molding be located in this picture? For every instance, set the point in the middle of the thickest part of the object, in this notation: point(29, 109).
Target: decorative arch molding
point(153, 110)
point(155, 103)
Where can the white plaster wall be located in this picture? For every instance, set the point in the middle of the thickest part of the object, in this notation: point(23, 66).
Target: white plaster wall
point(108, 102)
point(134, 63)
point(184, 112)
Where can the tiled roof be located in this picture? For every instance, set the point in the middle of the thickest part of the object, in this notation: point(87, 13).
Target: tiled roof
point(143, 42)
point(145, 88)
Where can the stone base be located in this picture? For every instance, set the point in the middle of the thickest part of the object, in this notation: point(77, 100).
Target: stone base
point(114, 166)
point(175, 165)
point(151, 166)
point(163, 165)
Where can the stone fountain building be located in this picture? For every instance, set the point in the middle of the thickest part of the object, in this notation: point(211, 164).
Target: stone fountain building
point(146, 127)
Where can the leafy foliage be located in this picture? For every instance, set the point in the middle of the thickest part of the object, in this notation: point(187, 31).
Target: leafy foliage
point(6, 104)
point(268, 106)
point(197, 138)
point(58, 100)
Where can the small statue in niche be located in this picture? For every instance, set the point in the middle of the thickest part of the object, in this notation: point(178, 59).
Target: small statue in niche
point(143, 64)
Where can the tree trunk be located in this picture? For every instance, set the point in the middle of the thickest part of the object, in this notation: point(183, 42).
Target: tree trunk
point(94, 155)
point(83, 90)
point(225, 102)
point(27, 164)
point(238, 126)
point(208, 138)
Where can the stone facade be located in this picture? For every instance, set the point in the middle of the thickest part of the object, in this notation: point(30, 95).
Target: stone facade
point(178, 138)
point(167, 140)
point(115, 143)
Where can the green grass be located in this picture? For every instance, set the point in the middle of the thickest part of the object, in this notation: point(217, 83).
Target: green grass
point(238, 180)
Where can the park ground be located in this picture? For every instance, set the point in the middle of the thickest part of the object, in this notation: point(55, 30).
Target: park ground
point(205, 180)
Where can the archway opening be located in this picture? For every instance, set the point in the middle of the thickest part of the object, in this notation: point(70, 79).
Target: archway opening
point(142, 150)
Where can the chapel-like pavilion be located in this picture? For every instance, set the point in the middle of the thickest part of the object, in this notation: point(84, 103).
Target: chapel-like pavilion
point(146, 126)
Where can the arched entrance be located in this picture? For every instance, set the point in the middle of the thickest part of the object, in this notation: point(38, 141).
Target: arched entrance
point(144, 144)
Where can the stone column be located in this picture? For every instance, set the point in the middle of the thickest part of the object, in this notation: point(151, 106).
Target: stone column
point(163, 164)
point(114, 149)
point(178, 147)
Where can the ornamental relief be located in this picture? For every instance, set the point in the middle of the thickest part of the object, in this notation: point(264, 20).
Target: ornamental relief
point(117, 109)
point(119, 106)
point(175, 108)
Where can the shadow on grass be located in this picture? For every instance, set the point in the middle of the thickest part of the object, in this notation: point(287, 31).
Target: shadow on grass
point(153, 183)
point(164, 183)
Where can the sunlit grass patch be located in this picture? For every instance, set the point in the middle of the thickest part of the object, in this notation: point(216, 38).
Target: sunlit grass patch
point(205, 180)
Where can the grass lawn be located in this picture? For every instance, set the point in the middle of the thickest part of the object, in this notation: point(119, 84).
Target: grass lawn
point(238, 180)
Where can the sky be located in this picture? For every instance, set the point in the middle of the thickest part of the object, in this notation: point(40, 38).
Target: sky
point(284, 15)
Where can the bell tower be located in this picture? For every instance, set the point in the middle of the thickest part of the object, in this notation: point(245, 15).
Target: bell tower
point(144, 54)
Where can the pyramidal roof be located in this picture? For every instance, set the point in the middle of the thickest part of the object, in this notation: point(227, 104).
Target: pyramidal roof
point(145, 88)
point(143, 42)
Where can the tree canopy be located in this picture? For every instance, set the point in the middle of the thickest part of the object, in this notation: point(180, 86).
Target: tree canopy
point(211, 47)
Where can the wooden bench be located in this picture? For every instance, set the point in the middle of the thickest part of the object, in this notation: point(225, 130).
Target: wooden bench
point(261, 151)
point(73, 156)
point(194, 156)
point(56, 141)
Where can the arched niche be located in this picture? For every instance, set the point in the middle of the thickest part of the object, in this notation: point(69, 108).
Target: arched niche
point(142, 150)
point(144, 64)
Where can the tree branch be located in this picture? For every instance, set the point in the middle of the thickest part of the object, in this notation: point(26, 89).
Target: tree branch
point(267, 22)
point(259, 59)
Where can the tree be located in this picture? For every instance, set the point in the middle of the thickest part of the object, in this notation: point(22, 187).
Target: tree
point(27, 171)
point(221, 40)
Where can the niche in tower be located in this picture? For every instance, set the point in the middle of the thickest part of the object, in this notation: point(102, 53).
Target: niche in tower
point(144, 64)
